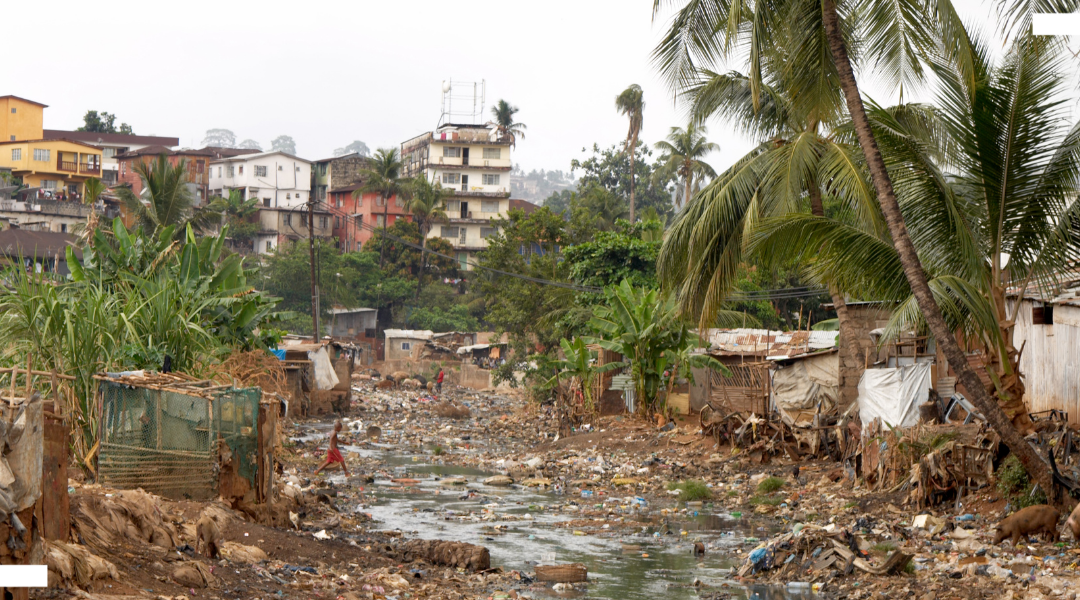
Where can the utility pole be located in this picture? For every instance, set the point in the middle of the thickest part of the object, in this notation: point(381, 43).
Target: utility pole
point(314, 282)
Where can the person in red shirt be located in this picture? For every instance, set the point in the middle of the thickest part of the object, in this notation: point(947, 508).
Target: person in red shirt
point(438, 381)
point(333, 455)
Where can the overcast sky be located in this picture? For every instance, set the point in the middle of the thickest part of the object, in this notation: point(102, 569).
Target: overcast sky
point(328, 73)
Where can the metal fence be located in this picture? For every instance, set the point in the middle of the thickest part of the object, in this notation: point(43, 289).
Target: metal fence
point(166, 441)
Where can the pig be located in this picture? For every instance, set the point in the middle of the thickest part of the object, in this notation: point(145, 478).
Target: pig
point(207, 536)
point(1033, 519)
point(1073, 522)
point(699, 549)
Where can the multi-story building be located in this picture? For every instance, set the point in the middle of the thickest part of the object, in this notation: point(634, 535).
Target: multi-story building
point(21, 119)
point(280, 225)
point(34, 214)
point(59, 168)
point(196, 161)
point(335, 173)
point(474, 161)
point(112, 145)
point(277, 179)
point(356, 218)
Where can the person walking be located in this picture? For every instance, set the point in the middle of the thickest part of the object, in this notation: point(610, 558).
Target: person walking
point(438, 381)
point(333, 455)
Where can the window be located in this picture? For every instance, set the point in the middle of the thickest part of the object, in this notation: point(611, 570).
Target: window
point(486, 232)
point(451, 151)
point(492, 152)
point(451, 178)
point(380, 201)
point(241, 169)
point(337, 222)
point(288, 196)
point(13, 138)
point(359, 201)
point(406, 345)
point(298, 196)
point(297, 169)
point(280, 168)
point(12, 110)
point(288, 219)
point(491, 179)
point(489, 206)
point(16, 154)
point(108, 152)
point(359, 220)
point(1042, 314)
point(41, 155)
point(448, 231)
point(231, 171)
point(260, 171)
point(123, 168)
point(200, 166)
point(266, 202)
point(399, 201)
point(303, 220)
point(63, 228)
point(219, 171)
point(380, 220)
point(322, 222)
point(48, 184)
point(269, 245)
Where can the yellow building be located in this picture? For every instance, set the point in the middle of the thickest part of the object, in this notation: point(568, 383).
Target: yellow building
point(57, 166)
point(21, 119)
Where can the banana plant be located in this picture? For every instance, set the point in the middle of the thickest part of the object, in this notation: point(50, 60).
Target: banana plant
point(579, 364)
point(647, 330)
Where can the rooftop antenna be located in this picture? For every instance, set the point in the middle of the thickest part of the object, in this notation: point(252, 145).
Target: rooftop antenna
point(463, 101)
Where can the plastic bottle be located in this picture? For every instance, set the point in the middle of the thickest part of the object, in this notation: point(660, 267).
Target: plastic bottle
point(798, 585)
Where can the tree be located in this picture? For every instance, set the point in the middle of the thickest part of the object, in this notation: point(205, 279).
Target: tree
point(219, 138)
point(427, 204)
point(103, 123)
point(577, 366)
point(237, 214)
point(401, 245)
point(610, 168)
point(896, 36)
point(358, 147)
point(630, 103)
point(283, 143)
point(92, 190)
point(250, 144)
point(646, 329)
point(382, 177)
point(454, 318)
point(1003, 184)
point(611, 257)
point(559, 202)
point(166, 200)
point(598, 207)
point(503, 113)
point(683, 151)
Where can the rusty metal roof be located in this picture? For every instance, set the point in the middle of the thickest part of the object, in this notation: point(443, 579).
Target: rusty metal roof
point(774, 345)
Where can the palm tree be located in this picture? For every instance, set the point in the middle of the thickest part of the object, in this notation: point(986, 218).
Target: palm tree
point(382, 177)
point(504, 113)
point(683, 152)
point(92, 190)
point(899, 37)
point(165, 199)
point(427, 203)
point(631, 104)
point(235, 212)
point(1003, 184)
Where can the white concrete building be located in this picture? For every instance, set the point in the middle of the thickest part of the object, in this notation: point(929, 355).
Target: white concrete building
point(474, 161)
point(112, 144)
point(276, 179)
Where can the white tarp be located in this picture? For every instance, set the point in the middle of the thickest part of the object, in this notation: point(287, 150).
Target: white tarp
point(325, 377)
point(894, 395)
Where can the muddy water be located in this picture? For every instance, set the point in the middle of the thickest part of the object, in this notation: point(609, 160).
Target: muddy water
point(622, 565)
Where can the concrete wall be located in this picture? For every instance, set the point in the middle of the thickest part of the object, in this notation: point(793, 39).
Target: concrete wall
point(456, 373)
point(856, 348)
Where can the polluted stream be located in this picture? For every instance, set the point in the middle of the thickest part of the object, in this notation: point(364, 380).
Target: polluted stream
point(520, 528)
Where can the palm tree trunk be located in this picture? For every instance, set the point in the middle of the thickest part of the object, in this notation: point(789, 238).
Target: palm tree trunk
point(382, 242)
point(920, 288)
point(633, 147)
point(423, 259)
point(689, 184)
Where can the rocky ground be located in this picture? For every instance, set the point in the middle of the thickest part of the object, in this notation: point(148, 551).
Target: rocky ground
point(810, 523)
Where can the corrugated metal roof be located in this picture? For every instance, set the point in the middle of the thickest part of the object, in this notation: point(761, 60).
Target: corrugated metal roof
point(413, 334)
point(773, 344)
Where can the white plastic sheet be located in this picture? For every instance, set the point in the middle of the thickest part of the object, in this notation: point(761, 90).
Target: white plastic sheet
point(325, 377)
point(894, 395)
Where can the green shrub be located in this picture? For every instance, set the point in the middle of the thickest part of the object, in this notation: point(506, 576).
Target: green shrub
point(884, 547)
point(770, 500)
point(770, 485)
point(437, 451)
point(691, 490)
point(1015, 485)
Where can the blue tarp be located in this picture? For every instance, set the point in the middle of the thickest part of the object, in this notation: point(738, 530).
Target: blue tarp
point(278, 353)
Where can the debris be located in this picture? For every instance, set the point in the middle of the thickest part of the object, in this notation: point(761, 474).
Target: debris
point(572, 573)
point(453, 554)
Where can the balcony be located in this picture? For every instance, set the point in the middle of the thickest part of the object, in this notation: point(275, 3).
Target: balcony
point(90, 169)
point(67, 165)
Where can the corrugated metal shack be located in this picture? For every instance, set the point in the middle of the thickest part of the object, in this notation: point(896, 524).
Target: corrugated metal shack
point(1048, 332)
